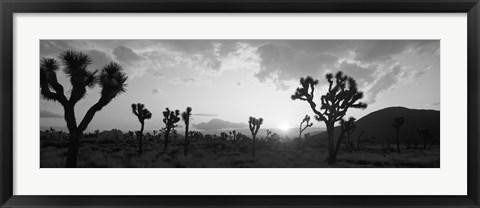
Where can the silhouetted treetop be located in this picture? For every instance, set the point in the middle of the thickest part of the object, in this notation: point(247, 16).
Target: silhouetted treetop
point(342, 94)
point(141, 112)
point(398, 121)
point(186, 114)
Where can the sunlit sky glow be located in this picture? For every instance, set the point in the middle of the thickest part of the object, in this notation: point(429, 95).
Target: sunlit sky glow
point(226, 81)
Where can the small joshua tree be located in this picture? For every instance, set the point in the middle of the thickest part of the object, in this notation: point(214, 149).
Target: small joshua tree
point(425, 134)
point(142, 113)
point(155, 135)
point(349, 132)
point(358, 140)
point(268, 134)
point(97, 132)
point(234, 135)
point(52, 132)
point(254, 125)
point(305, 120)
point(342, 95)
point(111, 79)
point(346, 126)
point(224, 136)
point(170, 118)
point(397, 123)
point(186, 118)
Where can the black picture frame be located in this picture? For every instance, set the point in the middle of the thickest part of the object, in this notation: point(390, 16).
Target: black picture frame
point(10, 7)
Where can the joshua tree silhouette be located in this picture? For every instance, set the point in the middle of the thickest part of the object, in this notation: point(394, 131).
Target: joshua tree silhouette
point(425, 134)
point(349, 132)
point(254, 125)
point(170, 118)
point(268, 134)
point(52, 132)
point(111, 80)
point(224, 136)
point(334, 104)
point(345, 126)
point(186, 118)
point(397, 123)
point(97, 132)
point(142, 113)
point(234, 135)
point(358, 140)
point(305, 120)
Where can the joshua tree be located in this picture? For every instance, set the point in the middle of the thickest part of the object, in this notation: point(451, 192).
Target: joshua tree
point(186, 118)
point(349, 132)
point(130, 134)
point(224, 136)
point(346, 126)
point(342, 94)
point(170, 118)
point(75, 65)
point(397, 123)
point(97, 132)
point(358, 140)
point(254, 125)
point(305, 120)
point(268, 134)
point(155, 135)
point(52, 132)
point(142, 113)
point(425, 134)
point(234, 135)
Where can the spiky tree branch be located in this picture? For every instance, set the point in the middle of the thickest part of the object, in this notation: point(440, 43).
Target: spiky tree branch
point(342, 95)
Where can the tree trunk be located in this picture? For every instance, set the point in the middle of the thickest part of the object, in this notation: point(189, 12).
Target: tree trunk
point(167, 133)
point(253, 147)
point(185, 148)
point(332, 157)
point(300, 135)
point(74, 134)
point(73, 146)
point(398, 140)
point(140, 136)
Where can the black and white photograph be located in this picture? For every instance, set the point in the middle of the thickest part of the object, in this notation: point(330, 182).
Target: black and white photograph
point(206, 103)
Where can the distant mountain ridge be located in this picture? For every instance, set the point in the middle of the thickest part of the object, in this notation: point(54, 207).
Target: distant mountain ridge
point(377, 126)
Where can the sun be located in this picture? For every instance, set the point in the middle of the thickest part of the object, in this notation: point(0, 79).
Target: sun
point(284, 127)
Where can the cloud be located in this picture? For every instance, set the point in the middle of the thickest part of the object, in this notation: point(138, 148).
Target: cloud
point(99, 59)
point(284, 63)
point(384, 82)
point(205, 114)
point(189, 81)
point(126, 54)
point(48, 114)
point(435, 104)
point(218, 124)
point(360, 74)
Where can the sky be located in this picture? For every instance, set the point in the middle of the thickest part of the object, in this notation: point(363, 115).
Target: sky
point(227, 81)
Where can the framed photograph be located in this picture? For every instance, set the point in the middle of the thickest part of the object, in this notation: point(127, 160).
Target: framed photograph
point(239, 104)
